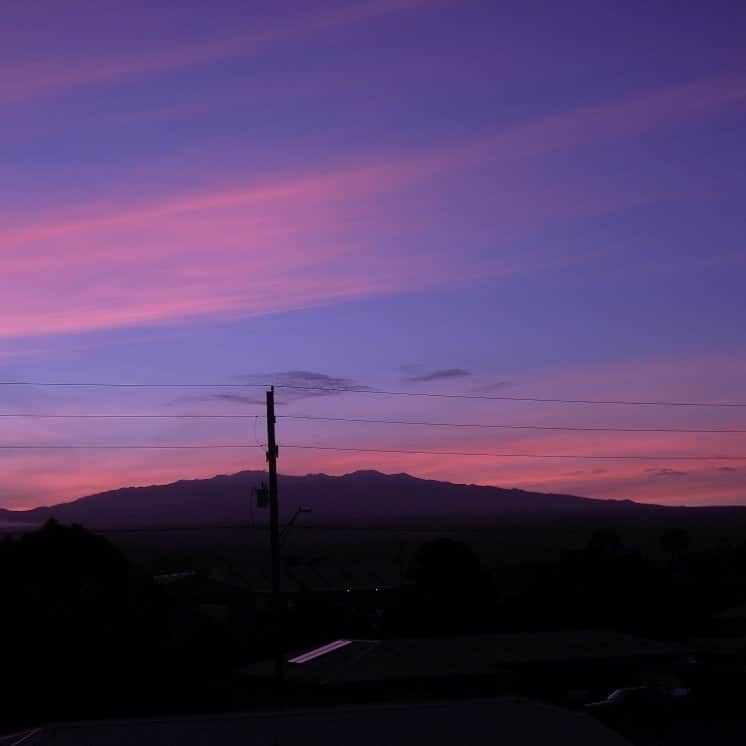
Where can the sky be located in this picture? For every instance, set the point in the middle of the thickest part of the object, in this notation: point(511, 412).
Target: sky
point(518, 199)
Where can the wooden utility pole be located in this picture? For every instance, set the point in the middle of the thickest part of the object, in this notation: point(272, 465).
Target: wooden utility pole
point(274, 540)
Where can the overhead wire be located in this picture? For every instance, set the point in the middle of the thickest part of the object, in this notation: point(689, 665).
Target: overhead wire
point(123, 446)
point(104, 416)
point(490, 425)
point(108, 385)
point(518, 455)
point(24, 528)
point(352, 449)
point(381, 392)
point(491, 397)
point(366, 420)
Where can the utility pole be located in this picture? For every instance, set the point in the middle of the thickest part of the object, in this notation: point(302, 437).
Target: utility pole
point(274, 539)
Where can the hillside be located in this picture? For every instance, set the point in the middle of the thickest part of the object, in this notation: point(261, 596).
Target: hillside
point(360, 497)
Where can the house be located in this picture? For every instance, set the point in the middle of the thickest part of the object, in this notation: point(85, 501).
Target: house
point(546, 665)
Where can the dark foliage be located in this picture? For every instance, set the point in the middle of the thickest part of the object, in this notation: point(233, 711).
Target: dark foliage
point(452, 593)
point(87, 632)
point(84, 635)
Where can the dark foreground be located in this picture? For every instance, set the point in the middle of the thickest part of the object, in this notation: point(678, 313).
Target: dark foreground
point(154, 626)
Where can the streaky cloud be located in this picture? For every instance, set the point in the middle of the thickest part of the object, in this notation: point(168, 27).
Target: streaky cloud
point(443, 374)
point(32, 80)
point(295, 385)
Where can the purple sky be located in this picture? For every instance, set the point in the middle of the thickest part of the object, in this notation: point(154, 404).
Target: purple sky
point(543, 199)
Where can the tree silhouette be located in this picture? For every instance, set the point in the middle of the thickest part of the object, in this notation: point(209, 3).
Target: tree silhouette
point(452, 592)
point(676, 542)
point(605, 543)
point(80, 622)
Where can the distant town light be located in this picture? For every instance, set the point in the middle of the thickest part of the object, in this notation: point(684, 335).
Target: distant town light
point(318, 652)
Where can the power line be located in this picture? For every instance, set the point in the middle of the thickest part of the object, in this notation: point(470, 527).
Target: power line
point(486, 527)
point(423, 423)
point(515, 398)
point(25, 528)
point(517, 455)
point(134, 446)
point(41, 416)
point(488, 454)
point(380, 392)
point(105, 385)
point(186, 528)
point(508, 427)
point(297, 526)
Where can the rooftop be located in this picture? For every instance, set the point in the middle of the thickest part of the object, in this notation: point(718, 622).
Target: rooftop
point(348, 661)
point(500, 720)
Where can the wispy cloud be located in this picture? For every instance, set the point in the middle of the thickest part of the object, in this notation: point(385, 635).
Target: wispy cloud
point(280, 243)
point(32, 79)
point(609, 120)
point(294, 385)
point(253, 250)
point(440, 374)
point(237, 398)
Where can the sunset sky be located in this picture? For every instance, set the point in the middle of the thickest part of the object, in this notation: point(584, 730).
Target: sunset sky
point(520, 199)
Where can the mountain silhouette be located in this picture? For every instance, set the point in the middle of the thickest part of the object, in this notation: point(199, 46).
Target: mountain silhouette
point(359, 497)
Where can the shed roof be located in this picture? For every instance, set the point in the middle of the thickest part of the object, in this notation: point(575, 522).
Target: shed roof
point(432, 657)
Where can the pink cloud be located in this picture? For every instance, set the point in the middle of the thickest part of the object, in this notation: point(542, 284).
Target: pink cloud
point(286, 242)
point(609, 120)
point(34, 79)
point(250, 250)
point(315, 235)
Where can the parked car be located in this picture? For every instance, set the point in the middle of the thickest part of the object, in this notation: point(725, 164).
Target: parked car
point(642, 700)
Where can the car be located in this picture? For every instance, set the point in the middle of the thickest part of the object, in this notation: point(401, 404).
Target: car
point(641, 699)
point(624, 697)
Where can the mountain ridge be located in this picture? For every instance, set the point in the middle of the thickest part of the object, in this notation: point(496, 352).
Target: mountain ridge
point(359, 496)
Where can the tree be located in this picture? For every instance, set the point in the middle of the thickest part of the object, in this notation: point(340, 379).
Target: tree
point(452, 590)
point(605, 543)
point(675, 542)
point(83, 627)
